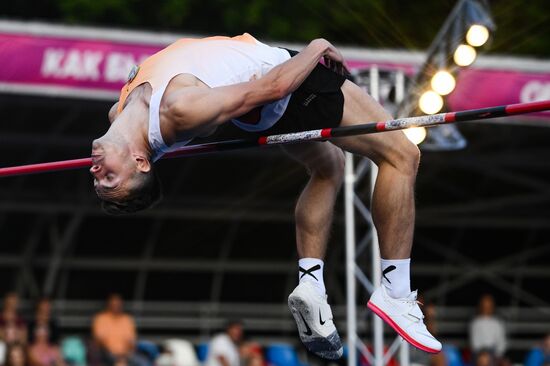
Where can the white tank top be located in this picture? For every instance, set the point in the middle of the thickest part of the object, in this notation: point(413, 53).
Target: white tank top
point(216, 61)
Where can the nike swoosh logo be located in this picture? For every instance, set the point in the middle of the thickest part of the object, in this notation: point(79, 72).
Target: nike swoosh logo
point(308, 331)
point(414, 316)
point(429, 335)
point(388, 270)
point(321, 318)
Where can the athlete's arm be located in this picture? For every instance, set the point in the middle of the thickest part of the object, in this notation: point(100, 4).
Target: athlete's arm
point(195, 107)
point(292, 73)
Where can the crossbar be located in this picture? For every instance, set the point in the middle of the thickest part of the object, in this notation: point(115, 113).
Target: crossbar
point(311, 135)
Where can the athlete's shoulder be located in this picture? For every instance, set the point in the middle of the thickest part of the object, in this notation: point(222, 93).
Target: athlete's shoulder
point(245, 37)
point(179, 100)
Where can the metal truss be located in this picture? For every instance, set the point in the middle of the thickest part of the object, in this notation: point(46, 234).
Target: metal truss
point(364, 174)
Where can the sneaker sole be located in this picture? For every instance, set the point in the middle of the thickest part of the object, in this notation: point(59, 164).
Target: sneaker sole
point(398, 329)
point(326, 347)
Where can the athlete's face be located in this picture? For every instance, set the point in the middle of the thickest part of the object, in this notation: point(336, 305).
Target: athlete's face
point(112, 168)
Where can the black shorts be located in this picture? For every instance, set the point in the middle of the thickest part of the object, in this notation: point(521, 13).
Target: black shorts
point(317, 103)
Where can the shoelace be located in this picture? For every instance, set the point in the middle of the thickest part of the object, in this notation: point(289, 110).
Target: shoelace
point(412, 302)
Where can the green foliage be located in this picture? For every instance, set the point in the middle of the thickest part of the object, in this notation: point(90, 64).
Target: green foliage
point(523, 26)
point(173, 12)
point(76, 11)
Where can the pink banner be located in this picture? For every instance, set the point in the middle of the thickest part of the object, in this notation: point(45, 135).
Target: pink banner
point(88, 68)
point(478, 88)
point(68, 63)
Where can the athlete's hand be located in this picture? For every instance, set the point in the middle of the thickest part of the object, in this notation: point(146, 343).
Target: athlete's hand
point(334, 59)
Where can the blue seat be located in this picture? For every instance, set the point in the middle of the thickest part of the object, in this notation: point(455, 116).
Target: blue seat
point(73, 351)
point(453, 356)
point(202, 351)
point(535, 357)
point(148, 349)
point(282, 355)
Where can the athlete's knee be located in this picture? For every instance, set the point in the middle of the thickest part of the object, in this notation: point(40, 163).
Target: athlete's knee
point(411, 155)
point(329, 166)
point(403, 156)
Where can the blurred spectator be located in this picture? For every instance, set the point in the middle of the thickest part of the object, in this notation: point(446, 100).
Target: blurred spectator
point(484, 358)
point(166, 358)
point(94, 354)
point(487, 332)
point(255, 360)
point(12, 327)
point(121, 361)
point(115, 332)
point(16, 356)
point(42, 352)
point(180, 352)
point(74, 352)
point(43, 318)
point(3, 349)
point(539, 356)
point(223, 349)
point(251, 353)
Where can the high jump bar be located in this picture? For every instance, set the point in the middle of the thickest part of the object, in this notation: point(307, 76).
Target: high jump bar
point(312, 135)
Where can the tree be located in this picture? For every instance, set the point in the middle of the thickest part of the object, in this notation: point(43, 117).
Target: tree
point(523, 26)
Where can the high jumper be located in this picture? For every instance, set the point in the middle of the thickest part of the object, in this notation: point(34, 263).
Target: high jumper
point(220, 87)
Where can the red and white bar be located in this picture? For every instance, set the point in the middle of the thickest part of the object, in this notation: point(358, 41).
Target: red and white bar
point(312, 135)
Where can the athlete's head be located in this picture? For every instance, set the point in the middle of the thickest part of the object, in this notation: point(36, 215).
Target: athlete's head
point(124, 178)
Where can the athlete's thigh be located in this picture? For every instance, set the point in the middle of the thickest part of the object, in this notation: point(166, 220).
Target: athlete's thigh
point(359, 108)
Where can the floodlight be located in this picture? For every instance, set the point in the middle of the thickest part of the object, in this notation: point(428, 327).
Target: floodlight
point(477, 35)
point(443, 82)
point(416, 134)
point(430, 102)
point(464, 55)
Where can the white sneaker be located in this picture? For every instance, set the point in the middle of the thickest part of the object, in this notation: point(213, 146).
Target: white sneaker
point(313, 317)
point(405, 317)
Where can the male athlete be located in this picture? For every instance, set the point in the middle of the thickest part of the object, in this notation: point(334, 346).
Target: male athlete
point(238, 86)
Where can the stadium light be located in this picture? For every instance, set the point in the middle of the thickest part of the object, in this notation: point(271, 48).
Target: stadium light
point(464, 55)
point(430, 102)
point(443, 82)
point(467, 29)
point(416, 134)
point(479, 21)
point(477, 35)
